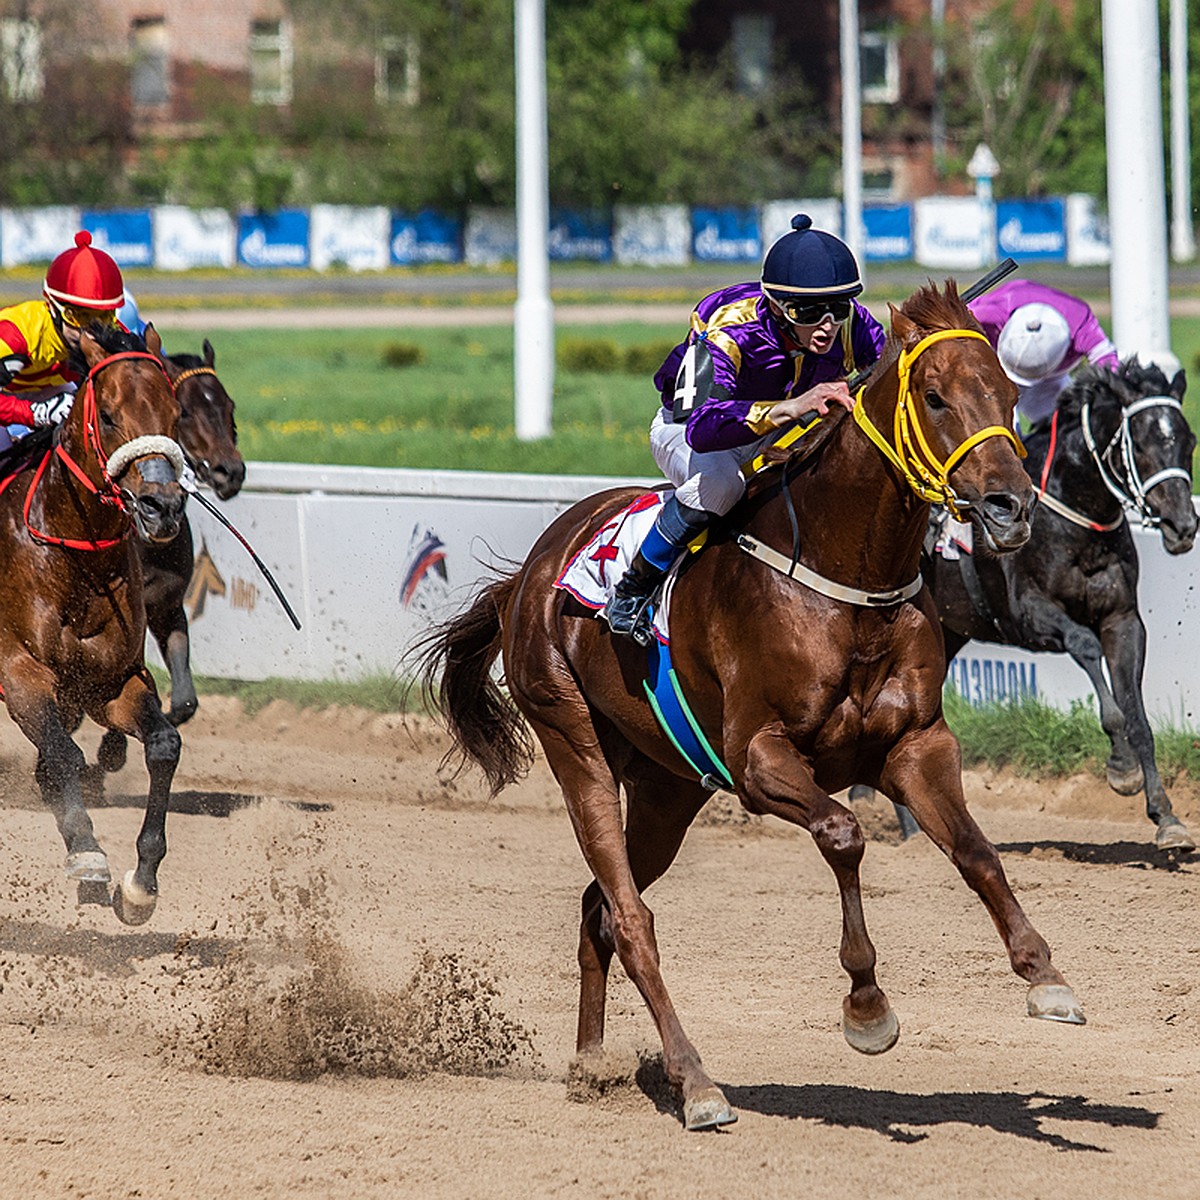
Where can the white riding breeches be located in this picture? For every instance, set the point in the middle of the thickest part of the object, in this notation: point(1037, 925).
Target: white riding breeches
point(711, 481)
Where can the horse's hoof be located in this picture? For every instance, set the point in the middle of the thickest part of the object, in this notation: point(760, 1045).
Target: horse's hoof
point(1172, 834)
point(707, 1109)
point(1126, 782)
point(92, 891)
point(88, 866)
point(1054, 1002)
point(861, 792)
point(875, 1037)
point(113, 750)
point(132, 904)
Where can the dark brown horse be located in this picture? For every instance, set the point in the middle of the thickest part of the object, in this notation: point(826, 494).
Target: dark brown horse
point(72, 618)
point(208, 437)
point(800, 694)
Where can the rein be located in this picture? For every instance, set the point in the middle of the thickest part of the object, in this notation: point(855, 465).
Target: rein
point(107, 492)
point(1054, 504)
point(909, 451)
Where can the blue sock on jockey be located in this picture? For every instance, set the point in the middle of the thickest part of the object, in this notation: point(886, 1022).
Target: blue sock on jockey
point(674, 527)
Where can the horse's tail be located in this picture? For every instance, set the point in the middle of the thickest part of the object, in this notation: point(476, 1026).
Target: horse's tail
point(456, 660)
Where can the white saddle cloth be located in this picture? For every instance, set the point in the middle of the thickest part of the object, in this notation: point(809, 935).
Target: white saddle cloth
point(593, 573)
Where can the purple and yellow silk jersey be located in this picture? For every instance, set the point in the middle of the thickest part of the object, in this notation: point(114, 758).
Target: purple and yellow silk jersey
point(754, 366)
point(1088, 340)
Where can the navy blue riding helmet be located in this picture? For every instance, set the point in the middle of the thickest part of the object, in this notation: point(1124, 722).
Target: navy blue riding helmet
point(808, 272)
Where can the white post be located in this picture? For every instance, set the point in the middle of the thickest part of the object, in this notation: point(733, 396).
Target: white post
point(1137, 213)
point(983, 168)
point(1183, 238)
point(852, 220)
point(533, 314)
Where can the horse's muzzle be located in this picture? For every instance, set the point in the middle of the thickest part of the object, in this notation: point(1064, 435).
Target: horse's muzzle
point(1003, 519)
point(158, 512)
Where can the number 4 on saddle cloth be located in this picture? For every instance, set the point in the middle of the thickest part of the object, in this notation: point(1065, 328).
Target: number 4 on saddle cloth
point(591, 576)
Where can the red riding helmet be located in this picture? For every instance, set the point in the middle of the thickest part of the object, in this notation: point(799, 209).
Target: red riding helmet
point(84, 278)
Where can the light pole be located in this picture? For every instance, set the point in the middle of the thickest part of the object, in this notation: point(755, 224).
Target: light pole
point(533, 314)
point(983, 168)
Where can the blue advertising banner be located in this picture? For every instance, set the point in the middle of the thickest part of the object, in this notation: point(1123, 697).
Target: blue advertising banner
point(126, 234)
point(1032, 229)
point(888, 233)
point(273, 239)
point(425, 237)
point(726, 235)
point(581, 235)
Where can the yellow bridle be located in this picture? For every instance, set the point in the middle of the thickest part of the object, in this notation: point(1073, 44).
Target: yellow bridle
point(909, 452)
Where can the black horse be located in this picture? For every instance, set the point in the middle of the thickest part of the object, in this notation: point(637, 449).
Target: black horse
point(1118, 444)
point(208, 437)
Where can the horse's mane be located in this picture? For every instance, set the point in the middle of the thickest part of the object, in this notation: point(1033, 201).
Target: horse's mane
point(112, 339)
point(1129, 382)
point(189, 362)
point(931, 309)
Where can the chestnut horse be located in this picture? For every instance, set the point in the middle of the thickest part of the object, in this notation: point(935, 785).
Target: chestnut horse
point(208, 437)
point(800, 693)
point(72, 619)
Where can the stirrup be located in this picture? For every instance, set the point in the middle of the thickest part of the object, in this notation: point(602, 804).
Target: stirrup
point(637, 624)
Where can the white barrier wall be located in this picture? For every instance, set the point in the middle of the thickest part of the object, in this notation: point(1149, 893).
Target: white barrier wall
point(369, 557)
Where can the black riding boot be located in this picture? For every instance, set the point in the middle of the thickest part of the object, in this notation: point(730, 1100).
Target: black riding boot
point(626, 607)
point(675, 526)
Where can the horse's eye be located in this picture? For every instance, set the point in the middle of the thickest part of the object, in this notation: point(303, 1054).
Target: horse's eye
point(933, 401)
point(108, 420)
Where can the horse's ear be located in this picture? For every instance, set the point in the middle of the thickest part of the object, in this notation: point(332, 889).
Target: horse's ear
point(91, 349)
point(210, 358)
point(153, 341)
point(903, 330)
point(1179, 384)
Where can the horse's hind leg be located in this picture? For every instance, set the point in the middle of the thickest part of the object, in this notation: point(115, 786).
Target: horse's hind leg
point(924, 771)
point(779, 781)
point(1125, 649)
point(659, 809)
point(564, 727)
point(138, 711)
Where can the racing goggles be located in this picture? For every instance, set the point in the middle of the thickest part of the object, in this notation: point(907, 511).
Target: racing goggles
point(81, 318)
point(814, 314)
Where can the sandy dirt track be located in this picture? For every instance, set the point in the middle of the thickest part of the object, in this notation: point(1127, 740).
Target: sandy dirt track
point(361, 982)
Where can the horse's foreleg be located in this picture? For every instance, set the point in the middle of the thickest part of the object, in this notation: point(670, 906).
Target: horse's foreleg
point(777, 780)
point(170, 630)
point(29, 692)
point(1124, 645)
point(137, 711)
point(924, 771)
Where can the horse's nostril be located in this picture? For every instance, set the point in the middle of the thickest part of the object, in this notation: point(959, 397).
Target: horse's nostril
point(1001, 507)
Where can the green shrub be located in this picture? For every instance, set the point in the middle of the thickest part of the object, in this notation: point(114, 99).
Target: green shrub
point(589, 354)
point(647, 358)
point(402, 354)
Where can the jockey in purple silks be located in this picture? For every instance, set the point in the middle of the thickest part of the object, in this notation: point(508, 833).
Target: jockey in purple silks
point(1041, 335)
point(758, 356)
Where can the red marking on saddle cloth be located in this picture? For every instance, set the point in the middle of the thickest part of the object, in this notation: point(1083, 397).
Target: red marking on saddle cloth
point(588, 576)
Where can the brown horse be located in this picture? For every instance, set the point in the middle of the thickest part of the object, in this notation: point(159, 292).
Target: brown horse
point(72, 618)
point(800, 693)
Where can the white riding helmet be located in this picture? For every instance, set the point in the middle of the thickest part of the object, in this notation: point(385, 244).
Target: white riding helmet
point(1032, 343)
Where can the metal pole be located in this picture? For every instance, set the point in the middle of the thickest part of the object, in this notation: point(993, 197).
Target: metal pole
point(533, 314)
point(1183, 238)
point(852, 219)
point(1137, 214)
point(937, 130)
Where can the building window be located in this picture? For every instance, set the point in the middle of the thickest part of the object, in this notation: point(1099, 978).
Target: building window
point(270, 62)
point(753, 34)
point(21, 52)
point(879, 65)
point(148, 46)
point(397, 70)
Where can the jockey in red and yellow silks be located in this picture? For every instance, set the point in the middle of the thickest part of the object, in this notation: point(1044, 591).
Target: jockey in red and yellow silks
point(37, 383)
